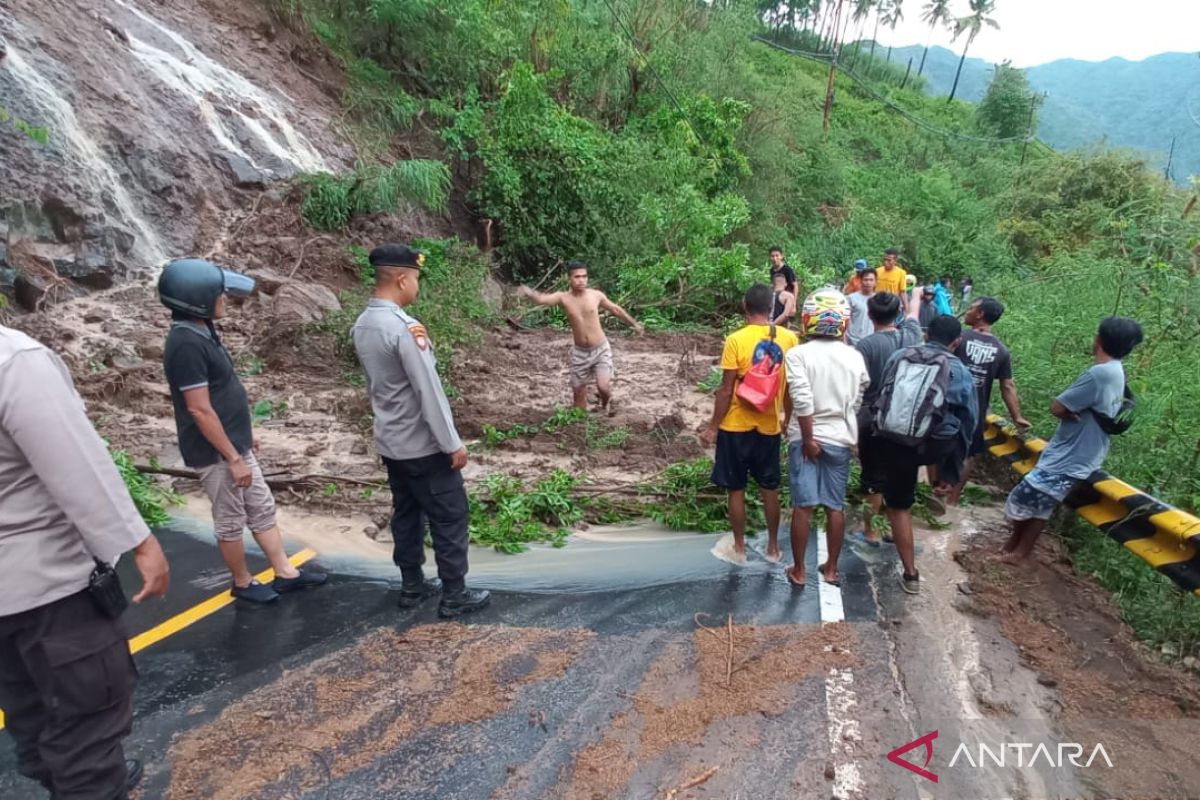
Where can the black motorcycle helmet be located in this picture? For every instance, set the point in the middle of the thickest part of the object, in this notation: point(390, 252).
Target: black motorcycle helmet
point(192, 286)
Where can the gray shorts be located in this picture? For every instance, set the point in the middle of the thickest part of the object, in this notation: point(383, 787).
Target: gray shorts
point(235, 509)
point(821, 482)
point(588, 363)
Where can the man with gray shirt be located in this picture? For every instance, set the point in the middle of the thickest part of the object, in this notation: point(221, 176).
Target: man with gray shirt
point(1079, 445)
point(66, 675)
point(415, 436)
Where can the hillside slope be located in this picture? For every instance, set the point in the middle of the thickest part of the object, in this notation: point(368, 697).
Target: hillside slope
point(1138, 105)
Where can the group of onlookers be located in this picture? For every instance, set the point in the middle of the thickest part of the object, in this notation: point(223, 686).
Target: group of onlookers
point(912, 390)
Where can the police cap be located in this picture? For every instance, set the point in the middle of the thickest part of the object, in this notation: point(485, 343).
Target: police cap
point(394, 254)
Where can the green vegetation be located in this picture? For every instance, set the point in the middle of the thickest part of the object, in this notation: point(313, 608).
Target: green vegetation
point(264, 410)
point(329, 200)
point(150, 499)
point(37, 133)
point(507, 515)
point(659, 141)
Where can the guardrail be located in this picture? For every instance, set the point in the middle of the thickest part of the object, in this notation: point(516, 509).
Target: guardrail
point(1163, 536)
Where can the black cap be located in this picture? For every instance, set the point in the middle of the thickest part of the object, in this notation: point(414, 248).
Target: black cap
point(394, 254)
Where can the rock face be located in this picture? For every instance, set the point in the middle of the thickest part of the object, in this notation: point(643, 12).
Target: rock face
point(154, 132)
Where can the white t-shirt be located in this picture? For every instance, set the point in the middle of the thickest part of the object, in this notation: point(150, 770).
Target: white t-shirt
point(827, 379)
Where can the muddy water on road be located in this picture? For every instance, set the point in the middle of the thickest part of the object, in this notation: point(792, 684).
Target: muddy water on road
point(604, 558)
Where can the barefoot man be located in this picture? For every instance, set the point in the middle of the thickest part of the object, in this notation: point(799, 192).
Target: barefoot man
point(591, 356)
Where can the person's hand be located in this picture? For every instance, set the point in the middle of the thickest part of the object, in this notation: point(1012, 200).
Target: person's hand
point(709, 435)
point(1022, 423)
point(156, 573)
point(812, 449)
point(639, 328)
point(524, 291)
point(242, 475)
point(458, 459)
point(257, 443)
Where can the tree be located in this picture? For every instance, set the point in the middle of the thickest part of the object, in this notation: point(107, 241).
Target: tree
point(971, 25)
point(892, 18)
point(1005, 109)
point(862, 10)
point(937, 12)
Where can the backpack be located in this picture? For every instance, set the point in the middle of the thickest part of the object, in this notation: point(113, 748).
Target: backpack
point(1121, 421)
point(914, 396)
point(759, 386)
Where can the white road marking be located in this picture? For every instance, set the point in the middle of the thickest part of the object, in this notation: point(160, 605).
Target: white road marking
point(841, 701)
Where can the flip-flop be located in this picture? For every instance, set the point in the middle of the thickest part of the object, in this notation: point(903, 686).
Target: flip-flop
point(795, 584)
point(861, 538)
point(821, 572)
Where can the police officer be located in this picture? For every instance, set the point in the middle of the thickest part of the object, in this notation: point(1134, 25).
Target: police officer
point(415, 435)
point(66, 675)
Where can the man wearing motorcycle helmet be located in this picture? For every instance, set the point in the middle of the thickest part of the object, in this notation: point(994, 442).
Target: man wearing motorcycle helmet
point(213, 421)
point(826, 381)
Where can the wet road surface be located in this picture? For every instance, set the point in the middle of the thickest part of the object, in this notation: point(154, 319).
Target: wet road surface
point(566, 712)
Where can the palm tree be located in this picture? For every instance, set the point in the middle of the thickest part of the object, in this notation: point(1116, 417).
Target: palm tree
point(937, 12)
point(892, 18)
point(972, 24)
point(862, 10)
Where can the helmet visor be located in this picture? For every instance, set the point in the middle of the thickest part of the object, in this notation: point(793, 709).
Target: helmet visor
point(237, 284)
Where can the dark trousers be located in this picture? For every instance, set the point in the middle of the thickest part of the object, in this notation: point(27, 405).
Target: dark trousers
point(66, 687)
point(427, 490)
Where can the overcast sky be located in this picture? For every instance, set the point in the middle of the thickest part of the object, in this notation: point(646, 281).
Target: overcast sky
point(1036, 31)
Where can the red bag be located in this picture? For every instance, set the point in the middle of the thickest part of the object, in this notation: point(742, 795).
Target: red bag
point(760, 385)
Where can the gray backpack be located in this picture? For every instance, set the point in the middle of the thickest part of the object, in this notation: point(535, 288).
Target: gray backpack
point(913, 399)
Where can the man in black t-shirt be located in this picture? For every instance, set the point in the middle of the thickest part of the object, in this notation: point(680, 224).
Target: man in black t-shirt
point(779, 265)
point(212, 418)
point(883, 308)
point(988, 361)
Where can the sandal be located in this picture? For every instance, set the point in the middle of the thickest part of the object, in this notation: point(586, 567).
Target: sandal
point(860, 537)
point(835, 582)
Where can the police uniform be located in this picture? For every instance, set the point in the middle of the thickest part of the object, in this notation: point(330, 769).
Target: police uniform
point(66, 675)
point(415, 435)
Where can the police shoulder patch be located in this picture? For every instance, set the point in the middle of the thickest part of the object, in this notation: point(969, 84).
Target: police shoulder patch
point(420, 336)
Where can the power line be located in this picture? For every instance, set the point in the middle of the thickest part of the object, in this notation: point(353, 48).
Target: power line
point(650, 67)
point(904, 112)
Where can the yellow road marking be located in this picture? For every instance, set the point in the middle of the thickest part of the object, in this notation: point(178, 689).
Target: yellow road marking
point(198, 612)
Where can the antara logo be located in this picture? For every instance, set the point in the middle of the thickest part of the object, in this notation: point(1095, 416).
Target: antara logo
point(927, 741)
point(1003, 754)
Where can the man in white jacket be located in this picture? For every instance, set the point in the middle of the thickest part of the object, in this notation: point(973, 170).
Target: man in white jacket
point(826, 379)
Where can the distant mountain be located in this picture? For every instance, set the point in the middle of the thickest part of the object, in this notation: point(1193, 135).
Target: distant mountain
point(1138, 105)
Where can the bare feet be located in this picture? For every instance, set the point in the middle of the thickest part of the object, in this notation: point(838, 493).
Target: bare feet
point(795, 576)
point(830, 575)
point(773, 554)
point(1012, 558)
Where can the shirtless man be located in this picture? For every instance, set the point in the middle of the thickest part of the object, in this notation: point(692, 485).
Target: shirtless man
point(591, 357)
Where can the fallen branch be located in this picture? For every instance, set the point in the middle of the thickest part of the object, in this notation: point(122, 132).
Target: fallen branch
point(729, 641)
point(283, 481)
point(692, 784)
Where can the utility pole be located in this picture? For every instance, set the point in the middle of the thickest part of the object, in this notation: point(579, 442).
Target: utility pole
point(1029, 126)
point(837, 50)
point(1170, 159)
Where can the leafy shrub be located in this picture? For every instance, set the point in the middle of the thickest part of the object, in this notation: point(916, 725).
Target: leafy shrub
point(329, 200)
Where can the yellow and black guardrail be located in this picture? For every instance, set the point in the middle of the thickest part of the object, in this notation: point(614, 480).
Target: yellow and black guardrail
point(1163, 536)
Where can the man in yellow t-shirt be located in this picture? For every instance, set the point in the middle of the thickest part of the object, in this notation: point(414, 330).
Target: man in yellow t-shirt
point(748, 440)
point(892, 277)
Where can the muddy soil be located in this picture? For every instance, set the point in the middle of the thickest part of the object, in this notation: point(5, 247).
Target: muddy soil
point(1108, 686)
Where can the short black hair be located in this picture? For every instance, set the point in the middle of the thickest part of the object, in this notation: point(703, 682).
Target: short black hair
point(779, 274)
point(1119, 335)
point(775, 249)
point(575, 266)
point(891, 251)
point(944, 329)
point(758, 299)
point(991, 308)
point(883, 307)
